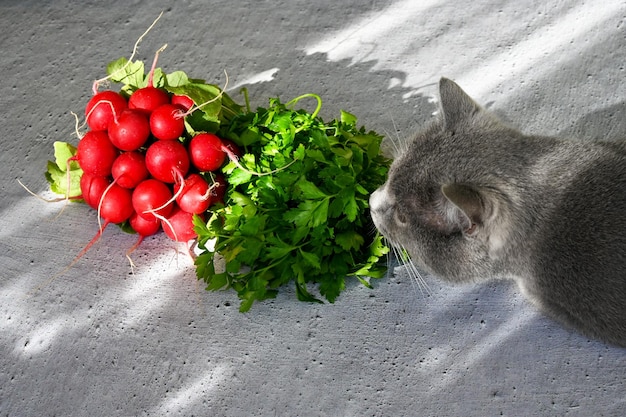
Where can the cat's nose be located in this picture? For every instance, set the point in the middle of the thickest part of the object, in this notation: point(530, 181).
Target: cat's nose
point(379, 208)
point(374, 200)
point(377, 199)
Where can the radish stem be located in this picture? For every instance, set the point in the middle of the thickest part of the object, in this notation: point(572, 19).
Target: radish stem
point(154, 62)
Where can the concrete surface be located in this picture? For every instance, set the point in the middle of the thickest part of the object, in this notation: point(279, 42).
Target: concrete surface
point(99, 341)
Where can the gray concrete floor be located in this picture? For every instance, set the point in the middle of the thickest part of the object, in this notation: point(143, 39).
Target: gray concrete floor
point(99, 341)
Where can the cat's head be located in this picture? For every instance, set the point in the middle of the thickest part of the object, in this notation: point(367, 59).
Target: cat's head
point(442, 202)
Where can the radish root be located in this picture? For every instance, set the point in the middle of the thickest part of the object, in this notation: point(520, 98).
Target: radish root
point(131, 250)
point(181, 179)
point(100, 207)
point(47, 200)
point(96, 83)
point(78, 126)
point(217, 97)
point(96, 105)
point(235, 160)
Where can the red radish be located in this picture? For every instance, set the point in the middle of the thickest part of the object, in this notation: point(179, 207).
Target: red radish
point(148, 99)
point(152, 198)
point(184, 101)
point(167, 160)
point(102, 109)
point(179, 225)
point(92, 188)
point(116, 204)
point(167, 122)
point(144, 226)
point(205, 152)
point(218, 189)
point(130, 130)
point(194, 196)
point(129, 169)
point(95, 153)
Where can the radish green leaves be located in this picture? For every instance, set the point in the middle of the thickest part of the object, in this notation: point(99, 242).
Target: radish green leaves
point(57, 174)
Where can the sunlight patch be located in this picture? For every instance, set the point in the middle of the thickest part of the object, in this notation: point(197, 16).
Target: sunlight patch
point(261, 77)
point(195, 391)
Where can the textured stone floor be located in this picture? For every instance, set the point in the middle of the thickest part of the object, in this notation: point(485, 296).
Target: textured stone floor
point(99, 341)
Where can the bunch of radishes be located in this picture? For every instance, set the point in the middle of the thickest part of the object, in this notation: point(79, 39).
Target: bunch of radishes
point(139, 164)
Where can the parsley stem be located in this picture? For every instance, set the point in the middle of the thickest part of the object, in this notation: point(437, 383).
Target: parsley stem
point(315, 96)
point(246, 98)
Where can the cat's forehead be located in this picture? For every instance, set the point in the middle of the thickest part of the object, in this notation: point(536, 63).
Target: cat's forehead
point(408, 173)
point(422, 150)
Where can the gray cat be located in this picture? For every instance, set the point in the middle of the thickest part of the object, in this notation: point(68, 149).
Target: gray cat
point(471, 199)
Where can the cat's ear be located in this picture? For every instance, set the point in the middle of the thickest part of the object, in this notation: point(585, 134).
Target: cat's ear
point(468, 208)
point(456, 106)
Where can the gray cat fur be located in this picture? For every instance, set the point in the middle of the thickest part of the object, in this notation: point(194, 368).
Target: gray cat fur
point(471, 199)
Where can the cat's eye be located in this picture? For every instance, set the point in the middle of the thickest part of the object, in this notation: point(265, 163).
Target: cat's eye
point(400, 217)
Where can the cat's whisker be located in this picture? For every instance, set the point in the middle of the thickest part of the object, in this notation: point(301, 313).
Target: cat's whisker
point(391, 145)
point(398, 142)
point(394, 143)
point(398, 253)
point(417, 276)
point(415, 283)
point(417, 280)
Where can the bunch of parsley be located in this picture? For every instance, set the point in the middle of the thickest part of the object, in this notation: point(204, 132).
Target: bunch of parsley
point(296, 207)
